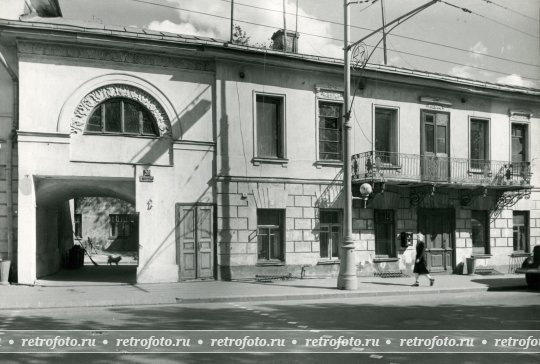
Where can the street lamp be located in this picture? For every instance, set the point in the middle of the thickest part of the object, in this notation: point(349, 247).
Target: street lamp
point(347, 269)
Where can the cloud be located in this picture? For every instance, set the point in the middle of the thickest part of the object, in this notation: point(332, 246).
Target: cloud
point(479, 48)
point(183, 28)
point(461, 71)
point(190, 19)
point(516, 80)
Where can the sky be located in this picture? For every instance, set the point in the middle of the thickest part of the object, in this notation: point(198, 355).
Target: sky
point(488, 40)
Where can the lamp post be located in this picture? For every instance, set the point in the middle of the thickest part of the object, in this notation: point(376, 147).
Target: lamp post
point(347, 269)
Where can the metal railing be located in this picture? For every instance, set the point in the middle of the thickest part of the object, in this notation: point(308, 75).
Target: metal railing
point(429, 168)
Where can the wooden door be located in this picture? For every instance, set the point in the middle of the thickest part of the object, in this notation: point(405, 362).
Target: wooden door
point(195, 241)
point(437, 226)
point(435, 144)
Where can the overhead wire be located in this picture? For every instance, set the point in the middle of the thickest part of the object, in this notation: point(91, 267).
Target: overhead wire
point(329, 38)
point(394, 35)
point(511, 10)
point(466, 10)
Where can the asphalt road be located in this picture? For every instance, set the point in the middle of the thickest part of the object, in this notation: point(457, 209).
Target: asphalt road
point(516, 310)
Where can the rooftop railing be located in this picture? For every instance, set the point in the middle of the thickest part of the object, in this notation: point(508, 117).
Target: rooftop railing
point(401, 167)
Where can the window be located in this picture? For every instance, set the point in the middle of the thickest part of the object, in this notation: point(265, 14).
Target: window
point(330, 131)
point(479, 143)
point(270, 126)
point(270, 235)
point(521, 231)
point(121, 225)
point(480, 232)
point(519, 148)
point(78, 225)
point(330, 233)
point(121, 116)
point(384, 233)
point(386, 135)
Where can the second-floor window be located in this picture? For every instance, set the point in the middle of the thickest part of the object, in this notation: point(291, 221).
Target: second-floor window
point(386, 137)
point(270, 126)
point(479, 143)
point(519, 142)
point(121, 116)
point(330, 131)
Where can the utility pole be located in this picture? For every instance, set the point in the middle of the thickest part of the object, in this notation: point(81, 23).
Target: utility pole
point(383, 32)
point(232, 20)
point(347, 269)
point(285, 25)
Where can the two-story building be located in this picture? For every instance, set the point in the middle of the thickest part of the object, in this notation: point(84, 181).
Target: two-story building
point(232, 155)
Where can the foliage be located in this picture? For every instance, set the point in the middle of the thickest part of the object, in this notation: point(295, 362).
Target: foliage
point(240, 36)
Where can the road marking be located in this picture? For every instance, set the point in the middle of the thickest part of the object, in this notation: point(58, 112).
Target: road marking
point(302, 326)
point(374, 356)
point(292, 322)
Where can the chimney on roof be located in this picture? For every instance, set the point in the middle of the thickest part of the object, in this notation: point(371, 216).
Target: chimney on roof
point(278, 40)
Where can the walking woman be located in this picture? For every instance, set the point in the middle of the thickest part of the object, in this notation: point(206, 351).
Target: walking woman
point(420, 266)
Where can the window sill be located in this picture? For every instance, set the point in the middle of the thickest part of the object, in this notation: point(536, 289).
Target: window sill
point(481, 256)
point(259, 160)
point(270, 264)
point(385, 260)
point(389, 166)
point(328, 163)
point(520, 255)
point(472, 171)
point(328, 262)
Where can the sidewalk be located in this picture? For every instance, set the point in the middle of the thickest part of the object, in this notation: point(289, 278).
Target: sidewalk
point(54, 293)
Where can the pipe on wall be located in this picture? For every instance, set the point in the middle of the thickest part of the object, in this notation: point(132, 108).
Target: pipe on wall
point(9, 157)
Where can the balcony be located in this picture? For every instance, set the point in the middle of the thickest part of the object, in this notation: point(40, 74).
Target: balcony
point(411, 169)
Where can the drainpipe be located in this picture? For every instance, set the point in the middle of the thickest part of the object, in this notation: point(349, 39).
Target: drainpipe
point(9, 147)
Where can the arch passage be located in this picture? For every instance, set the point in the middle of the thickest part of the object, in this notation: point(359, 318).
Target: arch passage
point(91, 100)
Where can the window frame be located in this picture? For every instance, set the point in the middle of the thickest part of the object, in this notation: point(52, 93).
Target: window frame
point(281, 230)
point(487, 159)
point(336, 101)
point(257, 159)
point(393, 248)
point(123, 100)
point(485, 223)
point(527, 139)
point(393, 161)
point(338, 224)
point(130, 222)
point(526, 226)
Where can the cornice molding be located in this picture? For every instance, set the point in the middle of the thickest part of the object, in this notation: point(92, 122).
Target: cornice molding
point(112, 55)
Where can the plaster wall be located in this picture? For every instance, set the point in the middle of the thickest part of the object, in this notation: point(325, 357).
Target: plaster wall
point(181, 166)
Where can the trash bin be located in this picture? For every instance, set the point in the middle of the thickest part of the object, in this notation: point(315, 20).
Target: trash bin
point(470, 265)
point(4, 271)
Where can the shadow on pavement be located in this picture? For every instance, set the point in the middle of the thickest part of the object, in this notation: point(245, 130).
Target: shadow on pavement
point(501, 284)
point(88, 273)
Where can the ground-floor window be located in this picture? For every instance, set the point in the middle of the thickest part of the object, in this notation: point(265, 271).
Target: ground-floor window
point(270, 234)
point(384, 233)
point(521, 231)
point(121, 225)
point(480, 232)
point(330, 233)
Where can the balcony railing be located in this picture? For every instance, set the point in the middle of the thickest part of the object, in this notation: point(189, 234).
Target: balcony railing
point(402, 167)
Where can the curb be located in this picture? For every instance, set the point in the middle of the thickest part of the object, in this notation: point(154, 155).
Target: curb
point(322, 296)
point(36, 305)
